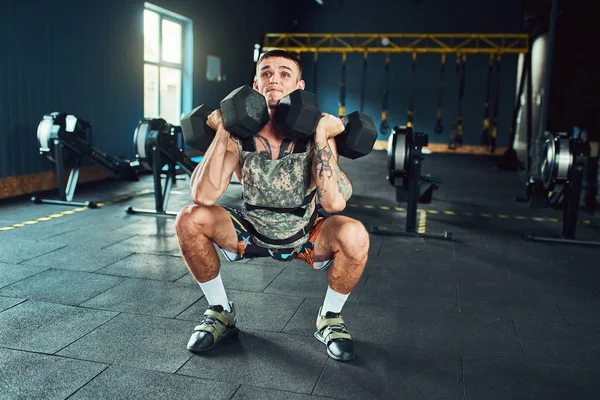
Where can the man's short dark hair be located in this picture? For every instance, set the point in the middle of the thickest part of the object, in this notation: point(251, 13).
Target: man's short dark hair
point(282, 54)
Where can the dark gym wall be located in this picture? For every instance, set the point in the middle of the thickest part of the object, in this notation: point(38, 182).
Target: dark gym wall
point(413, 16)
point(86, 58)
point(575, 81)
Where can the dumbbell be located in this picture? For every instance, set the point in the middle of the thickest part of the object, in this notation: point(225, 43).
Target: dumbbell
point(244, 112)
point(298, 114)
point(196, 133)
point(358, 138)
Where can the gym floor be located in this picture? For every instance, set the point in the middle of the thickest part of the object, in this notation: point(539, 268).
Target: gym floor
point(97, 303)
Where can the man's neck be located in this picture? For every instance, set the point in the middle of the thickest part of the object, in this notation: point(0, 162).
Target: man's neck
point(270, 143)
point(270, 132)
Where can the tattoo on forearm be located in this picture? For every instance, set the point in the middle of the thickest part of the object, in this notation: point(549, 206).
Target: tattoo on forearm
point(320, 193)
point(343, 185)
point(322, 158)
point(267, 151)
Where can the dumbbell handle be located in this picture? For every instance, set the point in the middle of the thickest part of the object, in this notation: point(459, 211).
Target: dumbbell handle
point(208, 120)
point(345, 120)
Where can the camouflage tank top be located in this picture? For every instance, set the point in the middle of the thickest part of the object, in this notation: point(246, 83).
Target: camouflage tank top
point(277, 195)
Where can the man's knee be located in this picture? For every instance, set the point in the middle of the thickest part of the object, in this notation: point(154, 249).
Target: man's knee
point(192, 220)
point(353, 238)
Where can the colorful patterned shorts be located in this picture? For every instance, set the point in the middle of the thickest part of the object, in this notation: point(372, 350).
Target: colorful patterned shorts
point(248, 249)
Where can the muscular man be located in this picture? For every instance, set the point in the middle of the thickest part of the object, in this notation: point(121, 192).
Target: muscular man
point(283, 184)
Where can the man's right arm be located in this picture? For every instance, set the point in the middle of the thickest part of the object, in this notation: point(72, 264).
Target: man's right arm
point(211, 177)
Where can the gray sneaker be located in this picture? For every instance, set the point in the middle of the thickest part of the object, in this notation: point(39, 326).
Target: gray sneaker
point(216, 325)
point(332, 331)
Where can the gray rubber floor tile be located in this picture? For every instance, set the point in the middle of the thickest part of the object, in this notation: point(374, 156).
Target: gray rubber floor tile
point(52, 227)
point(396, 268)
point(139, 296)
point(259, 311)
point(410, 293)
point(376, 243)
point(61, 286)
point(132, 383)
point(561, 278)
point(381, 372)
point(107, 218)
point(508, 304)
point(11, 273)
point(477, 272)
point(87, 237)
point(8, 302)
point(27, 210)
point(518, 277)
point(416, 329)
point(47, 327)
point(252, 393)
point(150, 227)
point(14, 251)
point(503, 379)
point(580, 310)
point(466, 253)
point(431, 251)
point(243, 276)
point(272, 360)
point(74, 258)
point(148, 244)
point(39, 376)
point(307, 282)
point(148, 266)
point(560, 344)
point(138, 341)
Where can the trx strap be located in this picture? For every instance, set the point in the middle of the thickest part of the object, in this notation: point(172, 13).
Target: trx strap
point(298, 211)
point(496, 107)
point(315, 68)
point(342, 105)
point(364, 81)
point(411, 105)
point(385, 126)
point(248, 144)
point(485, 134)
point(439, 128)
point(456, 135)
point(299, 146)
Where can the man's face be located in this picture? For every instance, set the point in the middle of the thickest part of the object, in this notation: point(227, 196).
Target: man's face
point(277, 77)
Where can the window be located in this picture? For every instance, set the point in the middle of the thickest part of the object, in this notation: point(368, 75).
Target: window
point(213, 68)
point(167, 64)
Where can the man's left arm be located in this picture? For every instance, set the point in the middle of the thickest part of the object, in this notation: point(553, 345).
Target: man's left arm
point(344, 185)
point(333, 186)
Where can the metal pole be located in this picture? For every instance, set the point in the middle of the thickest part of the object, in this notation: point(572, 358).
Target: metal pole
point(548, 70)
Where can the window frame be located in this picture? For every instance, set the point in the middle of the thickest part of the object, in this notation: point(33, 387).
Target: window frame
point(185, 66)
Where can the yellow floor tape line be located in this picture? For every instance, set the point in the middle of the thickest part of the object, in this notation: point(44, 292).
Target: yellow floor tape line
point(422, 221)
point(70, 212)
point(466, 214)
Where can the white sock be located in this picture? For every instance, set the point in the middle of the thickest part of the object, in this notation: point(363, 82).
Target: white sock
point(334, 301)
point(214, 291)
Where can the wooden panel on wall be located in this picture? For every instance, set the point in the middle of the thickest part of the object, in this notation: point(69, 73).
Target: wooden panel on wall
point(14, 186)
